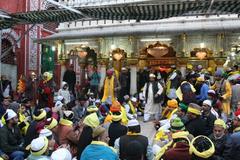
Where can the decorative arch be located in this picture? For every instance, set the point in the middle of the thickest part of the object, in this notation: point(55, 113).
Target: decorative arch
point(46, 5)
point(12, 37)
point(158, 50)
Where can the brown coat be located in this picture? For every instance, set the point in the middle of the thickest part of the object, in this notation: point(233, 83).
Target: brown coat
point(67, 135)
point(179, 152)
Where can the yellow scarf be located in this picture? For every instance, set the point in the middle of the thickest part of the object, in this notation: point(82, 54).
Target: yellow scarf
point(236, 129)
point(108, 86)
point(66, 122)
point(132, 107)
point(169, 83)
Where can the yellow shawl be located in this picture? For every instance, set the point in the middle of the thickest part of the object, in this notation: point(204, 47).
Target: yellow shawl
point(108, 86)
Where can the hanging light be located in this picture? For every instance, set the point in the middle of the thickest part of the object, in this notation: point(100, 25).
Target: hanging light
point(201, 54)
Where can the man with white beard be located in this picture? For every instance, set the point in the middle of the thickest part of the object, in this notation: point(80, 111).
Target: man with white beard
point(152, 93)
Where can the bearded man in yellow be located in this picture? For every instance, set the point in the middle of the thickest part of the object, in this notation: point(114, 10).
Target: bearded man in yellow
point(111, 86)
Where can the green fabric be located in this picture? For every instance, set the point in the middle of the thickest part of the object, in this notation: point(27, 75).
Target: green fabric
point(183, 106)
point(47, 59)
point(177, 125)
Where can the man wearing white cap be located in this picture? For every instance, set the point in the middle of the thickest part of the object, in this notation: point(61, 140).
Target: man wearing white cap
point(130, 108)
point(208, 117)
point(10, 137)
point(134, 129)
point(64, 92)
point(39, 149)
point(152, 92)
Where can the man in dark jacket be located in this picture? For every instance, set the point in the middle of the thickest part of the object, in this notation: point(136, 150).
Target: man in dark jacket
point(180, 147)
point(208, 117)
point(220, 139)
point(4, 106)
point(70, 77)
point(133, 135)
point(195, 125)
point(36, 125)
point(124, 80)
point(10, 137)
point(234, 142)
point(116, 129)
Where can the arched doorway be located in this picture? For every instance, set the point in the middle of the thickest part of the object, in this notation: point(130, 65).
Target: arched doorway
point(9, 62)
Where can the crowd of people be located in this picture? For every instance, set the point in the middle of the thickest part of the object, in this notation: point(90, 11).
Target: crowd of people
point(196, 116)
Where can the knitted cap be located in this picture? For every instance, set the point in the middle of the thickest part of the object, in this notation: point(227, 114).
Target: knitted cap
point(177, 125)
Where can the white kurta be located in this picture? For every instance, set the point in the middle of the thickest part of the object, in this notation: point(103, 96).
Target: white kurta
point(151, 107)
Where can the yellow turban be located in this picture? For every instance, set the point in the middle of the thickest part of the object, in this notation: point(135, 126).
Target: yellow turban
point(172, 103)
point(117, 117)
point(204, 154)
point(41, 116)
point(194, 108)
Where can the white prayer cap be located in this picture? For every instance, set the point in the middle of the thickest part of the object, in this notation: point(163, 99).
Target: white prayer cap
point(152, 75)
point(208, 102)
point(133, 122)
point(10, 114)
point(134, 99)
point(39, 146)
point(45, 133)
point(61, 154)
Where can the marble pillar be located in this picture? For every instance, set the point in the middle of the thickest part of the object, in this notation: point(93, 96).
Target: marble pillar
point(133, 80)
